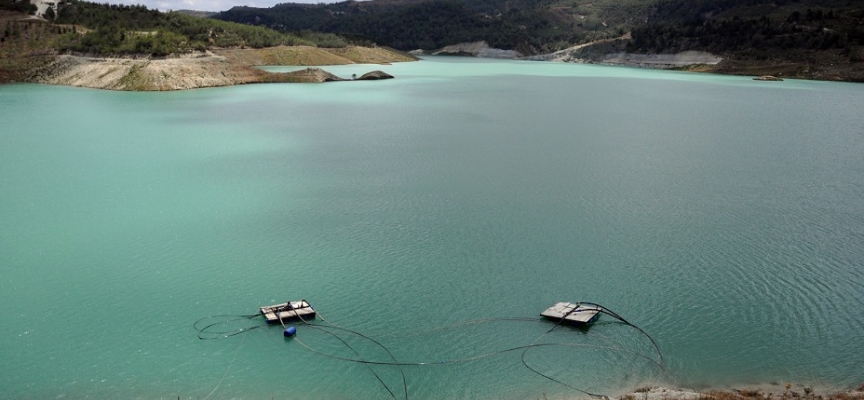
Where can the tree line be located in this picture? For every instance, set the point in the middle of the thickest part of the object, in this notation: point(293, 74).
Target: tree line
point(18, 6)
point(134, 29)
point(752, 29)
point(529, 26)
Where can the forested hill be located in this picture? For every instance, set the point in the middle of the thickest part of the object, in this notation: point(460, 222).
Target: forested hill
point(794, 31)
point(755, 29)
point(530, 26)
point(114, 29)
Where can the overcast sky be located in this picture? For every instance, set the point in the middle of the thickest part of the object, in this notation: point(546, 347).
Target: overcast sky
point(206, 5)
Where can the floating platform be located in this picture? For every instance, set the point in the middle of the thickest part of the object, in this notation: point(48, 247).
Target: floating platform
point(291, 310)
point(580, 314)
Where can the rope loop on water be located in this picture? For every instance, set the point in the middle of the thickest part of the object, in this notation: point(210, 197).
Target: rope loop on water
point(206, 332)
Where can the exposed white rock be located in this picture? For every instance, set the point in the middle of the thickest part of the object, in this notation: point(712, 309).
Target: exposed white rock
point(661, 61)
point(477, 49)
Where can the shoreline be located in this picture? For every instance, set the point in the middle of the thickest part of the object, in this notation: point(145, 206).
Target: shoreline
point(31, 58)
point(220, 67)
point(228, 67)
point(772, 391)
point(613, 52)
point(28, 55)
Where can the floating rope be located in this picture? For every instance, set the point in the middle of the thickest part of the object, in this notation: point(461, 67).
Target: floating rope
point(314, 326)
point(207, 332)
point(620, 318)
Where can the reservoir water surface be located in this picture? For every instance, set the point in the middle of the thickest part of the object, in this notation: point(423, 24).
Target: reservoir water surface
point(437, 213)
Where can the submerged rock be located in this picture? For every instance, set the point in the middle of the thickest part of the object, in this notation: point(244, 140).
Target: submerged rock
point(314, 75)
point(767, 78)
point(375, 75)
point(476, 49)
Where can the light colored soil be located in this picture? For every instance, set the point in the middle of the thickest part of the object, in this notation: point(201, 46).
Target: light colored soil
point(219, 68)
point(477, 49)
point(145, 74)
point(305, 55)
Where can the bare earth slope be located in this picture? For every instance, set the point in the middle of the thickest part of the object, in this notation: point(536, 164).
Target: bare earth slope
point(218, 68)
point(144, 74)
point(305, 55)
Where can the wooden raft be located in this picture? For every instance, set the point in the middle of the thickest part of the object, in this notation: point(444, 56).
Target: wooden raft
point(576, 313)
point(288, 311)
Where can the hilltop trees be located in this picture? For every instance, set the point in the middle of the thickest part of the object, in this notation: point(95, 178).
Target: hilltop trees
point(425, 25)
point(124, 29)
point(753, 30)
point(18, 5)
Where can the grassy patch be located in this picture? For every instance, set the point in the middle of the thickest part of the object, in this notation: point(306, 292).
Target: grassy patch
point(133, 80)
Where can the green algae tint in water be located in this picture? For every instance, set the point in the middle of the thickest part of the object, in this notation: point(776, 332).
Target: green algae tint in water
point(723, 216)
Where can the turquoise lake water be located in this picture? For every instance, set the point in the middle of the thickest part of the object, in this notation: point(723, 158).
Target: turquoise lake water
point(437, 213)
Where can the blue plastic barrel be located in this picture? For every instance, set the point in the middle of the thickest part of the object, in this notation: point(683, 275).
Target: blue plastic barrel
point(291, 331)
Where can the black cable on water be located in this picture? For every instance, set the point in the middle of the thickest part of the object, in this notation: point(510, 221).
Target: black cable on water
point(328, 327)
point(224, 334)
point(389, 353)
point(473, 358)
point(323, 328)
point(387, 387)
point(598, 396)
point(620, 318)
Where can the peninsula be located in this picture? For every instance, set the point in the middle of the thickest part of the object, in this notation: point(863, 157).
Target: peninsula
point(34, 49)
point(217, 67)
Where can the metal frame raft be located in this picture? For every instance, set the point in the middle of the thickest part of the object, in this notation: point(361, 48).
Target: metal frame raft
point(578, 313)
point(291, 310)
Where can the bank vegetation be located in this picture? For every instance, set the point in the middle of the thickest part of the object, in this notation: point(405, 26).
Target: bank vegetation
point(121, 47)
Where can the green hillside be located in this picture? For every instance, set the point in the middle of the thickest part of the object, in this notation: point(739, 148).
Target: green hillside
point(530, 26)
point(796, 31)
point(110, 29)
point(754, 29)
point(137, 30)
point(821, 39)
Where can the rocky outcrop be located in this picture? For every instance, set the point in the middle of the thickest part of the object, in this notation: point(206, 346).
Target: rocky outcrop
point(767, 78)
point(605, 51)
point(204, 70)
point(187, 72)
point(586, 52)
point(662, 61)
point(374, 75)
point(611, 52)
point(476, 49)
point(308, 75)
